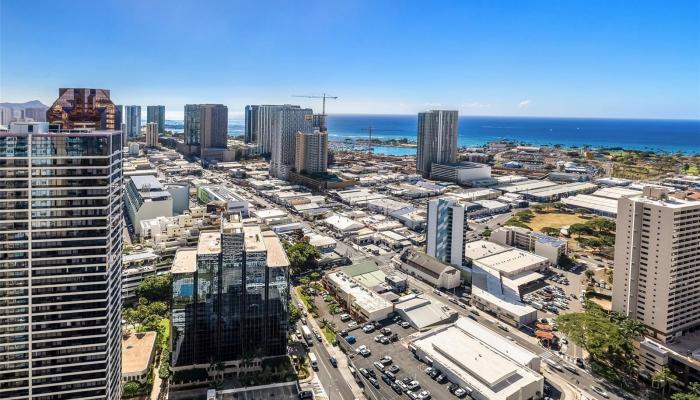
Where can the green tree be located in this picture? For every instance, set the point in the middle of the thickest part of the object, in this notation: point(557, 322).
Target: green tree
point(601, 225)
point(693, 393)
point(302, 257)
point(589, 274)
point(548, 230)
point(664, 379)
point(130, 389)
point(486, 233)
point(579, 229)
point(538, 208)
point(315, 276)
point(156, 288)
point(602, 337)
point(294, 314)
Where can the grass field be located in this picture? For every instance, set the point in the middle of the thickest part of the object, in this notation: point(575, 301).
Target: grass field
point(554, 220)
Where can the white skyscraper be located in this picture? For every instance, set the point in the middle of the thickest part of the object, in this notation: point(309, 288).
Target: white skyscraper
point(61, 263)
point(437, 139)
point(657, 262)
point(283, 123)
point(447, 223)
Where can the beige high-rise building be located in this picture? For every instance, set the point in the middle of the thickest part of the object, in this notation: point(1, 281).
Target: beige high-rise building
point(152, 134)
point(311, 152)
point(657, 262)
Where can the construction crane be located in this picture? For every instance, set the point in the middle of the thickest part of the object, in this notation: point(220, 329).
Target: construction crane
point(369, 134)
point(324, 97)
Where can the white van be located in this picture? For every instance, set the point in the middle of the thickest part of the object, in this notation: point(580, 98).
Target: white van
point(314, 361)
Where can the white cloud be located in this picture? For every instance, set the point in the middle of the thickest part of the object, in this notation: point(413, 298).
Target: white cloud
point(474, 104)
point(524, 104)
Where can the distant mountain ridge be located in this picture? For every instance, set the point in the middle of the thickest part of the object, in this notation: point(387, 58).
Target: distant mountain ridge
point(22, 106)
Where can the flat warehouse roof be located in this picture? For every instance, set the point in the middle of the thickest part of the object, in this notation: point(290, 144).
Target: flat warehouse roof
point(510, 261)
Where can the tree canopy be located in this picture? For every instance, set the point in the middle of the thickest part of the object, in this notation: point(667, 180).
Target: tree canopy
point(302, 256)
point(156, 288)
point(607, 338)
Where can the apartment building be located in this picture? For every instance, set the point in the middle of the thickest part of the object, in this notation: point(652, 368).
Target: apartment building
point(657, 262)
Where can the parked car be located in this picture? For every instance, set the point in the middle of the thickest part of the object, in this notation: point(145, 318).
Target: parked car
point(374, 382)
point(394, 368)
point(386, 360)
point(350, 339)
point(405, 324)
point(396, 388)
point(386, 331)
point(379, 366)
point(333, 362)
point(600, 391)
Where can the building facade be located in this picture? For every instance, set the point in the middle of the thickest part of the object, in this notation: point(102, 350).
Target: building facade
point(156, 114)
point(284, 126)
point(37, 114)
point(251, 124)
point(152, 134)
point(230, 298)
point(84, 108)
point(657, 260)
point(191, 123)
point(133, 121)
point(213, 125)
point(146, 198)
point(437, 139)
point(311, 152)
point(447, 224)
point(61, 258)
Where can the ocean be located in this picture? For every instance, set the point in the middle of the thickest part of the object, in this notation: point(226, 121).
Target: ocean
point(670, 136)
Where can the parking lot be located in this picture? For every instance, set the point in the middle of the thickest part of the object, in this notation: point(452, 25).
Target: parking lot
point(401, 356)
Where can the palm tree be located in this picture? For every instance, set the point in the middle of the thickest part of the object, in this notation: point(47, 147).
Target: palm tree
point(664, 378)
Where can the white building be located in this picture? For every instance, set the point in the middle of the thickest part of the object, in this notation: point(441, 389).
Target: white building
point(283, 123)
point(146, 198)
point(234, 201)
point(488, 366)
point(657, 257)
point(447, 223)
point(462, 173)
point(343, 224)
point(543, 245)
point(362, 303)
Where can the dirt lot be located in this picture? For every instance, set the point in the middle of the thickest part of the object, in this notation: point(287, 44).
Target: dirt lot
point(554, 220)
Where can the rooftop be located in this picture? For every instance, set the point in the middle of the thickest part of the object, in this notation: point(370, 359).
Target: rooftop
point(136, 352)
point(492, 368)
point(482, 248)
point(209, 243)
point(253, 239)
point(142, 182)
point(362, 296)
point(276, 256)
point(511, 261)
point(185, 261)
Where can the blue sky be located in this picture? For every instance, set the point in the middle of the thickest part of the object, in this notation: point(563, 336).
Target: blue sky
point(636, 59)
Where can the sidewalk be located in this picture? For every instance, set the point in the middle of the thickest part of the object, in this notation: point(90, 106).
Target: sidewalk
point(342, 360)
point(568, 391)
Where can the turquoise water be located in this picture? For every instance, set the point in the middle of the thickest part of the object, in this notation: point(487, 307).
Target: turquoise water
point(638, 134)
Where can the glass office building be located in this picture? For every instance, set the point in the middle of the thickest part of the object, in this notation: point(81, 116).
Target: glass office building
point(60, 262)
point(156, 114)
point(84, 108)
point(230, 297)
